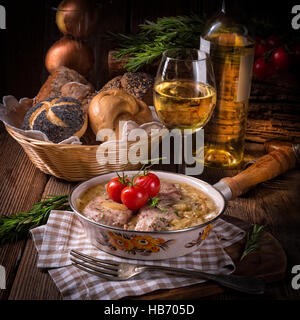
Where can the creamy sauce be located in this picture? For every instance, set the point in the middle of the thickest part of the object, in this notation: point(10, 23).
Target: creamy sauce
point(193, 208)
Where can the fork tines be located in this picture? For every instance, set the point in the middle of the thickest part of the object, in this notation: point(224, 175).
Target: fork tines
point(106, 269)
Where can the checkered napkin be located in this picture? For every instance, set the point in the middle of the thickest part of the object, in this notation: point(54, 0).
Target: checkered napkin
point(64, 232)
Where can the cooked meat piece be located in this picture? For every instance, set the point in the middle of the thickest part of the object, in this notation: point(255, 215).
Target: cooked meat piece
point(154, 219)
point(103, 210)
point(159, 217)
point(169, 192)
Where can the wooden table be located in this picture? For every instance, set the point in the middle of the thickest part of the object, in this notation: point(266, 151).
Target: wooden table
point(275, 204)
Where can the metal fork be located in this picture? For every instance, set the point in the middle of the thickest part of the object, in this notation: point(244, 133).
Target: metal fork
point(120, 271)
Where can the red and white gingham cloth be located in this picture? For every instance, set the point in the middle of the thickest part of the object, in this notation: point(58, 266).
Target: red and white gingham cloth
point(64, 232)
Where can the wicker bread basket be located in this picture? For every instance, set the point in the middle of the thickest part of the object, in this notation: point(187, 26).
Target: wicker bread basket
point(71, 162)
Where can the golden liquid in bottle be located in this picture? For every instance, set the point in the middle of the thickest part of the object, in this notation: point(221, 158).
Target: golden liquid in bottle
point(184, 104)
point(225, 133)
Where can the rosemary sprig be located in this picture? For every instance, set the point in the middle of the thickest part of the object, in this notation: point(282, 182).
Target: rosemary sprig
point(252, 240)
point(154, 38)
point(16, 226)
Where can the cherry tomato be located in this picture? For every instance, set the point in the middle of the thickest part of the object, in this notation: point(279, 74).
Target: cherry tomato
point(150, 182)
point(115, 187)
point(260, 49)
point(134, 197)
point(273, 42)
point(263, 68)
point(281, 59)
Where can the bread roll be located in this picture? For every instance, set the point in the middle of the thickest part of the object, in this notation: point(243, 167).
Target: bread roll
point(138, 84)
point(62, 75)
point(110, 107)
point(114, 83)
point(81, 92)
point(59, 118)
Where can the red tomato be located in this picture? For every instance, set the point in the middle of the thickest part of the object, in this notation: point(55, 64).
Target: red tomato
point(273, 42)
point(134, 197)
point(115, 187)
point(281, 59)
point(263, 68)
point(260, 49)
point(150, 182)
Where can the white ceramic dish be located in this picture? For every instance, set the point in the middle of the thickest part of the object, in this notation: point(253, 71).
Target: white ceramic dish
point(147, 245)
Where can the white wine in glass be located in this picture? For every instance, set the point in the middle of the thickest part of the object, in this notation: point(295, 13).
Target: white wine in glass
point(184, 89)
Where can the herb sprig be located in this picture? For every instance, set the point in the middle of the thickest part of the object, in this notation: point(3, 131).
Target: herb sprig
point(154, 203)
point(155, 37)
point(252, 244)
point(17, 226)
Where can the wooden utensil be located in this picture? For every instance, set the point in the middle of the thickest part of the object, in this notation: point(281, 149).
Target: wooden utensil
point(282, 157)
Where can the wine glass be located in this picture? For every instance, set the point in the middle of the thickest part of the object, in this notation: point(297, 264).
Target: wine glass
point(184, 90)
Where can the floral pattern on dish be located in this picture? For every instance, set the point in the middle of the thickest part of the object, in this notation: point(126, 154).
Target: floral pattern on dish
point(201, 237)
point(133, 244)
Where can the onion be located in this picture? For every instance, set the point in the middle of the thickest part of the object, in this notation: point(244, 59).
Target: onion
point(69, 53)
point(77, 18)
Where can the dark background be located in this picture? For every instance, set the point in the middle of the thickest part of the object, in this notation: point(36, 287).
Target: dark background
point(31, 30)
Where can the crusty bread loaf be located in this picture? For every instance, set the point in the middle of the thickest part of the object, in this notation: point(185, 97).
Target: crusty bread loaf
point(114, 83)
point(59, 118)
point(109, 107)
point(138, 84)
point(62, 75)
point(81, 92)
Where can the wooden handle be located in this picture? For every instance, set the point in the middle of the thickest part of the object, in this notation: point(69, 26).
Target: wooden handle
point(272, 145)
point(265, 168)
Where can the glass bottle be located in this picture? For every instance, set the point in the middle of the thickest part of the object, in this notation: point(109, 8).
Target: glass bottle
point(232, 54)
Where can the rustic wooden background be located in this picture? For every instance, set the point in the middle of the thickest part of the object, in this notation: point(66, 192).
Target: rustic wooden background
point(31, 30)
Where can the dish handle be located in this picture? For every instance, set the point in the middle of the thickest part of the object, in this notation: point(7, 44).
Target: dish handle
point(265, 168)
